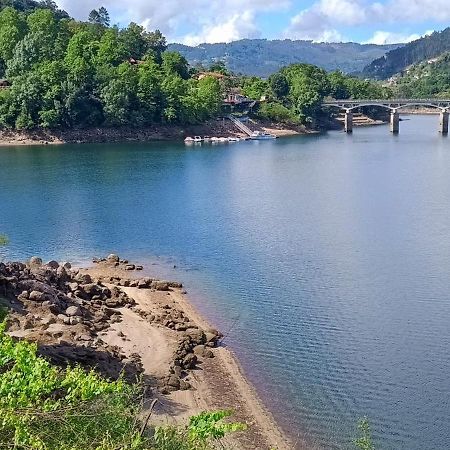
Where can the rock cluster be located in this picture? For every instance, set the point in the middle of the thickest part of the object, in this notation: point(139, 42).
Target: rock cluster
point(114, 261)
point(44, 295)
point(64, 309)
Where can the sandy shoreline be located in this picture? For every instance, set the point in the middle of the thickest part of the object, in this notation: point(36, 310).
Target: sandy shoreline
point(110, 317)
point(219, 384)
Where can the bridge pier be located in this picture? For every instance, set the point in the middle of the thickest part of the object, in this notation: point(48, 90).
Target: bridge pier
point(348, 122)
point(395, 122)
point(443, 122)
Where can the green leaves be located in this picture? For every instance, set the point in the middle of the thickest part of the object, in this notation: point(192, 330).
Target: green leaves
point(364, 442)
point(3, 240)
point(210, 425)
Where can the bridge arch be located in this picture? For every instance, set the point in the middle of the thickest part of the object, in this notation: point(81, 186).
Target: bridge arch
point(429, 105)
point(362, 105)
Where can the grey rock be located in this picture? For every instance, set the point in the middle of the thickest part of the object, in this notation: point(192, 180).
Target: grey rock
point(73, 311)
point(35, 261)
point(53, 264)
point(112, 258)
point(36, 296)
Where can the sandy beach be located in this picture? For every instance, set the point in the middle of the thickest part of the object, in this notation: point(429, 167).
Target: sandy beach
point(111, 318)
point(218, 383)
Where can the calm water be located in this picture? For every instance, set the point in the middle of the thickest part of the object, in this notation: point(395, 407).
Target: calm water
point(325, 259)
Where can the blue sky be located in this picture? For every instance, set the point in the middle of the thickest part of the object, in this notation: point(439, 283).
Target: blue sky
point(197, 21)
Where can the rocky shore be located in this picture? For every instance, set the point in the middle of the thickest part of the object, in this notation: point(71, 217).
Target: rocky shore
point(215, 127)
point(112, 319)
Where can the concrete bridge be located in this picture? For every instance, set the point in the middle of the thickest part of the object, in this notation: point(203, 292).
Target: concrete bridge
point(394, 106)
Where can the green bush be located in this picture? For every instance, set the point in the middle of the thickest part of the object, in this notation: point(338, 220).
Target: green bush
point(43, 407)
point(277, 112)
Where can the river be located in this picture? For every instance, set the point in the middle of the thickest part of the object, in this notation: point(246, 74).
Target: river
point(325, 260)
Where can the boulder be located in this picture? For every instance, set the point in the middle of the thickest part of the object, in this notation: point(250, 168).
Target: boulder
point(184, 385)
point(145, 283)
point(36, 296)
point(91, 289)
point(160, 285)
point(112, 258)
point(130, 267)
point(189, 361)
point(73, 311)
point(66, 265)
point(53, 264)
point(83, 278)
point(35, 261)
point(174, 382)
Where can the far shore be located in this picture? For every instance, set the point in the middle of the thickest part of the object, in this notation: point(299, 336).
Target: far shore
point(147, 328)
point(216, 127)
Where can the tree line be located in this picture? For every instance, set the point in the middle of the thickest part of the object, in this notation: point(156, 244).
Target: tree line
point(64, 73)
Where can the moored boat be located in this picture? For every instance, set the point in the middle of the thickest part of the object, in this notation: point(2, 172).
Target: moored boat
point(259, 136)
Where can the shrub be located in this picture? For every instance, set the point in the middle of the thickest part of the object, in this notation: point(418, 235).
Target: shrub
point(43, 407)
point(277, 112)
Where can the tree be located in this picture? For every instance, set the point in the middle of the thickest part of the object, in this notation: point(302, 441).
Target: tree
point(254, 87)
point(111, 50)
point(149, 91)
point(103, 17)
point(133, 39)
point(157, 44)
point(175, 64)
point(94, 17)
point(13, 28)
point(279, 85)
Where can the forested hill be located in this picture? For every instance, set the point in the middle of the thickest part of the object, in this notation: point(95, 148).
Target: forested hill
point(426, 79)
point(417, 51)
point(261, 57)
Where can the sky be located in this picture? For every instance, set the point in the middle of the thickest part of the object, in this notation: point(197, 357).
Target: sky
point(194, 22)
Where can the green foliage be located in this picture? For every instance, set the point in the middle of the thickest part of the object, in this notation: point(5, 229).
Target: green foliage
point(425, 80)
point(3, 240)
point(43, 407)
point(210, 425)
point(66, 74)
point(277, 112)
point(364, 442)
point(398, 60)
point(254, 87)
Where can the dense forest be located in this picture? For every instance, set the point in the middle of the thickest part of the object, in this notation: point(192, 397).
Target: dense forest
point(262, 57)
point(417, 51)
point(65, 73)
point(426, 79)
point(62, 73)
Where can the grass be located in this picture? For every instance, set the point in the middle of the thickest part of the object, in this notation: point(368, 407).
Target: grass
point(43, 407)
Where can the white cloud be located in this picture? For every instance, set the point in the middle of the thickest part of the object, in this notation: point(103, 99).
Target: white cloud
point(388, 37)
point(324, 18)
point(235, 27)
point(213, 21)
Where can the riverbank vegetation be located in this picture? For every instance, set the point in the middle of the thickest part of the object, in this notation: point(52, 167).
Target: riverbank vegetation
point(59, 73)
point(47, 408)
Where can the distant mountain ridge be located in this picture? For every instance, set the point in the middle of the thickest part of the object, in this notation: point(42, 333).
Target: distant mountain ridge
point(262, 57)
point(397, 60)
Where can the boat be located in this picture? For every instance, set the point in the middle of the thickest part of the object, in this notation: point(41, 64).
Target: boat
point(260, 136)
point(233, 139)
point(207, 138)
point(189, 140)
point(223, 139)
point(198, 139)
